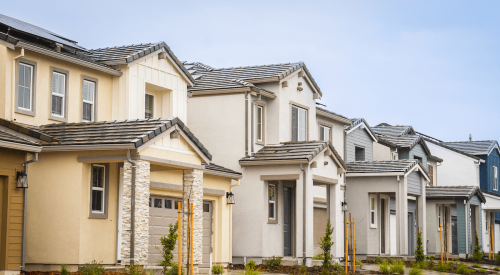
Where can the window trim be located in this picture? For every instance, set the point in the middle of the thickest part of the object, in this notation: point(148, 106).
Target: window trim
point(276, 188)
point(300, 106)
point(263, 124)
point(96, 82)
point(63, 118)
point(375, 206)
point(153, 115)
point(321, 124)
point(98, 215)
point(495, 178)
point(32, 111)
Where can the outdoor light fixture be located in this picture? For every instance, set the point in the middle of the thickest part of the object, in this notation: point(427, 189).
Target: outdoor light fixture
point(22, 180)
point(230, 197)
point(344, 206)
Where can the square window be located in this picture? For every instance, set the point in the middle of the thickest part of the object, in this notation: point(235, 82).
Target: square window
point(324, 133)
point(206, 207)
point(359, 153)
point(158, 203)
point(168, 204)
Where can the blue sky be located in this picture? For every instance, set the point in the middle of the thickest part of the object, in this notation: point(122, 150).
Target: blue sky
point(432, 64)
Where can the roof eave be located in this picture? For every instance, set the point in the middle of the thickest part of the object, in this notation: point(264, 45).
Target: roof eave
point(334, 117)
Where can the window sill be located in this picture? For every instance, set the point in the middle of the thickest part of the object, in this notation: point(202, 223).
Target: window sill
point(260, 143)
point(56, 118)
point(373, 226)
point(98, 216)
point(272, 221)
point(25, 112)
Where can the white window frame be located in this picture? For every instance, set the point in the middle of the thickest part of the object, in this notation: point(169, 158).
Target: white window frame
point(326, 131)
point(495, 178)
point(30, 87)
point(89, 102)
point(63, 97)
point(260, 123)
point(304, 112)
point(271, 201)
point(153, 111)
point(103, 189)
point(373, 199)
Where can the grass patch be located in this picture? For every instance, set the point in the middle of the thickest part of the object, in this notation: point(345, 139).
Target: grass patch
point(384, 269)
point(476, 266)
point(496, 269)
point(398, 267)
point(481, 270)
point(415, 271)
point(463, 269)
point(378, 260)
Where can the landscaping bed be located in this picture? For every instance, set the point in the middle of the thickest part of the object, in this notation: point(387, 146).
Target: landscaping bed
point(70, 273)
point(315, 270)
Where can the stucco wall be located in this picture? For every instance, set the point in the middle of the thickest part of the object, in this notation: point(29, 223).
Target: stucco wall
point(456, 169)
point(43, 84)
point(381, 152)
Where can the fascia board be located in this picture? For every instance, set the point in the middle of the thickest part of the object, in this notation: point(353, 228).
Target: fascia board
point(19, 146)
point(271, 162)
point(64, 148)
point(222, 174)
point(366, 129)
point(349, 175)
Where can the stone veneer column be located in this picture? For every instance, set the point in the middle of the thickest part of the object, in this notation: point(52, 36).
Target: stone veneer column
point(193, 191)
point(142, 172)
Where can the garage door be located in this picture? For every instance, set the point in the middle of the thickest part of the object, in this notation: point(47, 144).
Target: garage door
point(319, 228)
point(393, 234)
point(163, 212)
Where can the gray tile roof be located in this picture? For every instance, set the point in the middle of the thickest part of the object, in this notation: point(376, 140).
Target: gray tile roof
point(27, 28)
point(396, 130)
point(28, 130)
point(358, 121)
point(5, 136)
point(339, 117)
point(223, 78)
point(385, 166)
point(453, 192)
point(136, 132)
point(127, 54)
point(292, 151)
point(480, 147)
point(441, 144)
point(218, 168)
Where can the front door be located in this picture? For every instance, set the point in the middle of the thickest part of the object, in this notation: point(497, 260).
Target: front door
point(287, 226)
point(382, 226)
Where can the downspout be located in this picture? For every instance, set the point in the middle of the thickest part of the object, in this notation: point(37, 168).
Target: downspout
point(246, 123)
point(25, 201)
point(304, 235)
point(132, 210)
point(13, 105)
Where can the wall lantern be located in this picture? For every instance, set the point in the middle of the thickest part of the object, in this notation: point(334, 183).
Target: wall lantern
point(344, 206)
point(22, 181)
point(230, 197)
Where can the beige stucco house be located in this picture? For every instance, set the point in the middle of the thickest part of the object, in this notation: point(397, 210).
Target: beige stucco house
point(97, 117)
point(267, 129)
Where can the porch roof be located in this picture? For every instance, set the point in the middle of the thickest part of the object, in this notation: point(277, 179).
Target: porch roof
point(453, 192)
point(12, 141)
point(299, 152)
point(220, 170)
point(385, 166)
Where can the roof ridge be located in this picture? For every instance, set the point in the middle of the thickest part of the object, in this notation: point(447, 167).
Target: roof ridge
point(114, 47)
point(256, 66)
point(469, 141)
point(110, 121)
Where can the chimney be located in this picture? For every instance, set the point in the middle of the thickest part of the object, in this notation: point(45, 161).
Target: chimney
point(470, 137)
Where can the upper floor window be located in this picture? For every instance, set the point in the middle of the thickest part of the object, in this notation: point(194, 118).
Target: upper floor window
point(59, 95)
point(324, 133)
point(88, 100)
point(299, 124)
point(418, 158)
point(149, 106)
point(261, 123)
point(359, 153)
point(495, 178)
point(98, 190)
point(26, 76)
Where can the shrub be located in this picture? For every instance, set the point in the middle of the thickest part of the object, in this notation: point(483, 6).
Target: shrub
point(384, 269)
point(318, 257)
point(497, 258)
point(251, 265)
point(415, 271)
point(481, 270)
point(175, 270)
point(441, 267)
point(420, 265)
point(168, 244)
point(64, 270)
point(326, 244)
point(303, 268)
point(273, 262)
point(419, 253)
point(217, 269)
point(378, 260)
point(134, 270)
point(250, 268)
point(325, 271)
point(463, 269)
point(390, 260)
point(432, 258)
point(358, 262)
point(496, 269)
point(478, 251)
point(94, 268)
point(338, 267)
point(398, 267)
point(476, 266)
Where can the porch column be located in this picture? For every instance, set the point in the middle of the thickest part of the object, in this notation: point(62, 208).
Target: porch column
point(193, 193)
point(141, 227)
point(422, 215)
point(402, 216)
point(334, 213)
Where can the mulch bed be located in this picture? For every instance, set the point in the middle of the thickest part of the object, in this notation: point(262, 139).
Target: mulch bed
point(315, 270)
point(59, 273)
point(409, 264)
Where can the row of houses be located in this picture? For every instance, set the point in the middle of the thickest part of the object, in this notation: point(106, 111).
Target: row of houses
point(112, 139)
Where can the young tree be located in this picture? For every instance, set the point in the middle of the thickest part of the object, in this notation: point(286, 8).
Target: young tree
point(168, 244)
point(419, 253)
point(478, 254)
point(326, 245)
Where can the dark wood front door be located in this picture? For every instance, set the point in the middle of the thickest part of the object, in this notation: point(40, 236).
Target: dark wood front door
point(287, 227)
